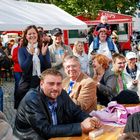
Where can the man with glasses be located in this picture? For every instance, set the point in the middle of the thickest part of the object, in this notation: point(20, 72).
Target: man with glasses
point(78, 85)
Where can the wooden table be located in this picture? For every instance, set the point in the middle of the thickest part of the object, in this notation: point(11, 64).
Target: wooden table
point(110, 132)
point(131, 105)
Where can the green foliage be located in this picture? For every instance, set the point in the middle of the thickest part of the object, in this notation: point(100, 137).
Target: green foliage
point(90, 8)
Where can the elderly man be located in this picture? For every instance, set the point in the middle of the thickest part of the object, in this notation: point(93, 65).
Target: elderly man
point(58, 50)
point(78, 85)
point(48, 112)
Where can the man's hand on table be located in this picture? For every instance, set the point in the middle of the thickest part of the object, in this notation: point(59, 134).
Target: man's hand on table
point(90, 124)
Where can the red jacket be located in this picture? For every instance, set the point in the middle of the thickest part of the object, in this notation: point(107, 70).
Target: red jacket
point(15, 60)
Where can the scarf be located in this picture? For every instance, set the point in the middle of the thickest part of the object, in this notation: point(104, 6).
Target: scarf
point(124, 87)
point(36, 60)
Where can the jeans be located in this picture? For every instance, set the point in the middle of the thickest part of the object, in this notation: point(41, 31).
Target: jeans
point(17, 77)
point(1, 99)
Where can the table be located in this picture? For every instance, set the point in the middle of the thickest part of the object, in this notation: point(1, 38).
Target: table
point(110, 132)
point(131, 105)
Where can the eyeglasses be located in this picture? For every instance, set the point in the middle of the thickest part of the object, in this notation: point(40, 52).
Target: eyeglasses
point(103, 31)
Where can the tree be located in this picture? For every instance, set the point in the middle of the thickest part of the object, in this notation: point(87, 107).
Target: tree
point(121, 6)
point(90, 8)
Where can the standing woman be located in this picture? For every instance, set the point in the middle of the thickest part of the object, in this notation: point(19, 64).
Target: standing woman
point(17, 71)
point(78, 51)
point(115, 38)
point(33, 58)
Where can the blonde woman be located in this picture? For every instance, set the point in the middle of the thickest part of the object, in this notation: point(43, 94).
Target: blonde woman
point(78, 51)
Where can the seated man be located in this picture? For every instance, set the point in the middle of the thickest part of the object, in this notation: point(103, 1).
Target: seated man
point(48, 112)
point(133, 123)
point(6, 132)
point(80, 87)
point(124, 95)
point(132, 73)
point(129, 136)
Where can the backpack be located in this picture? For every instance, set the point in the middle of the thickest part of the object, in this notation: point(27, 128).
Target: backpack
point(109, 42)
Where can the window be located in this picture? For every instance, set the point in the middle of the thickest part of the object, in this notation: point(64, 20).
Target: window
point(77, 33)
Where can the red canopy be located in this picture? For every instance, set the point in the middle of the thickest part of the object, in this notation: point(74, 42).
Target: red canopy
point(113, 18)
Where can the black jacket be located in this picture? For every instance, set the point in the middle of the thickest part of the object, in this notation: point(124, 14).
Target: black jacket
point(133, 123)
point(34, 116)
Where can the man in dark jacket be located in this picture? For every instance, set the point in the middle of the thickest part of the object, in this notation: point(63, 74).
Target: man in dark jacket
point(48, 112)
point(133, 123)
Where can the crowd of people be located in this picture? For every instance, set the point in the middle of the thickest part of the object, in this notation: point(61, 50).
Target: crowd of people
point(56, 87)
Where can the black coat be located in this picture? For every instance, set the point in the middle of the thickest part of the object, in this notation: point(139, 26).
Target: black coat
point(34, 116)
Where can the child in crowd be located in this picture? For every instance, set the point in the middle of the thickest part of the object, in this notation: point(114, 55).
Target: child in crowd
point(103, 24)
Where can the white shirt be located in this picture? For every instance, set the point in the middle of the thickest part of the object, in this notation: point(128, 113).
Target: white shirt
point(103, 49)
point(84, 62)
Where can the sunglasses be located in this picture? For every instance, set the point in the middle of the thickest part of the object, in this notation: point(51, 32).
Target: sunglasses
point(104, 31)
point(114, 38)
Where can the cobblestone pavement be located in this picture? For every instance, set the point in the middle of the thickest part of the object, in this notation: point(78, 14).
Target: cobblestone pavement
point(9, 111)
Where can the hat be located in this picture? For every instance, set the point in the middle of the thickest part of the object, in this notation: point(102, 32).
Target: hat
point(127, 97)
point(56, 31)
point(131, 55)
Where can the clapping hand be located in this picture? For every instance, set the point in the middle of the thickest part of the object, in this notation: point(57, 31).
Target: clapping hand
point(44, 48)
point(31, 50)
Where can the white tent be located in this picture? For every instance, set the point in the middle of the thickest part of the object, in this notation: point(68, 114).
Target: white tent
point(17, 15)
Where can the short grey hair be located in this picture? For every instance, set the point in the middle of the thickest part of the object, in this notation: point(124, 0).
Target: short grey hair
point(71, 57)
